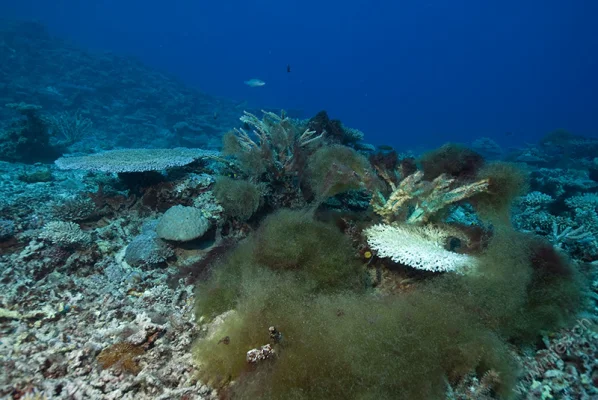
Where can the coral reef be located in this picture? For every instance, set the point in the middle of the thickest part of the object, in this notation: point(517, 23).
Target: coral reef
point(7, 229)
point(277, 143)
point(92, 101)
point(64, 234)
point(147, 249)
point(69, 128)
point(298, 263)
point(294, 164)
point(513, 289)
point(487, 147)
point(27, 138)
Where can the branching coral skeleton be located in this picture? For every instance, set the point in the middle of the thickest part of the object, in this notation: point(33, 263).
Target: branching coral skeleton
point(275, 135)
point(416, 201)
point(406, 235)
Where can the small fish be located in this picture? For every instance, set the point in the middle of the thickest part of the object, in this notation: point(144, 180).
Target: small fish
point(255, 82)
point(509, 133)
point(288, 67)
point(225, 340)
point(385, 147)
point(275, 335)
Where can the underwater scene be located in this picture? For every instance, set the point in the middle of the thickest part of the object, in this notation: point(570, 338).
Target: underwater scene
point(358, 201)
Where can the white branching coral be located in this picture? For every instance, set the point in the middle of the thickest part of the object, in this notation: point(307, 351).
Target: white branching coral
point(421, 247)
point(64, 234)
point(271, 126)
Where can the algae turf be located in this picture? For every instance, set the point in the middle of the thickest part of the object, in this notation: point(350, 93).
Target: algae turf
point(506, 182)
point(319, 255)
point(336, 169)
point(345, 343)
point(240, 199)
point(348, 346)
point(452, 159)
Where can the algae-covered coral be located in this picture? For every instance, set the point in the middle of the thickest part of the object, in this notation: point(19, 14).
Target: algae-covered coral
point(356, 343)
point(316, 255)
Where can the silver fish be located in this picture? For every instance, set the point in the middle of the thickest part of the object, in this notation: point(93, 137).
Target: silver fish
point(255, 82)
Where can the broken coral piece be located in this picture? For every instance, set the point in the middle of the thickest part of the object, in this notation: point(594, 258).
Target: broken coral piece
point(263, 353)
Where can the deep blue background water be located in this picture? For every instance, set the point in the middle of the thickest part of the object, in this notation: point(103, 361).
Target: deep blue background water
point(407, 73)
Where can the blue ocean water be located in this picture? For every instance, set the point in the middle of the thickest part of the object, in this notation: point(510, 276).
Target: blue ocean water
point(408, 73)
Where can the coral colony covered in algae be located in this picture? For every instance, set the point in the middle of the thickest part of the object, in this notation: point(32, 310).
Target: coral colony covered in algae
point(294, 262)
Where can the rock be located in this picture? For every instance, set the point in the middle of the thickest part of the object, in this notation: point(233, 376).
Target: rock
point(147, 249)
point(181, 224)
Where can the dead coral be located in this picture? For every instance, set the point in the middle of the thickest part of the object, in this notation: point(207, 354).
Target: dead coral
point(416, 201)
point(274, 151)
point(272, 145)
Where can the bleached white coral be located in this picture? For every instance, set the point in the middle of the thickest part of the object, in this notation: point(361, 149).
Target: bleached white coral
point(420, 247)
point(64, 233)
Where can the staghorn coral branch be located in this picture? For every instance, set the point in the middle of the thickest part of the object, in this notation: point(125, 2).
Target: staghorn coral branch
point(308, 137)
point(277, 118)
point(427, 198)
point(244, 140)
point(442, 196)
point(399, 198)
point(384, 175)
point(260, 128)
point(275, 139)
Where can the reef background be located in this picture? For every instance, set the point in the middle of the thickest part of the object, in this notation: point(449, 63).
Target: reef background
point(408, 74)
